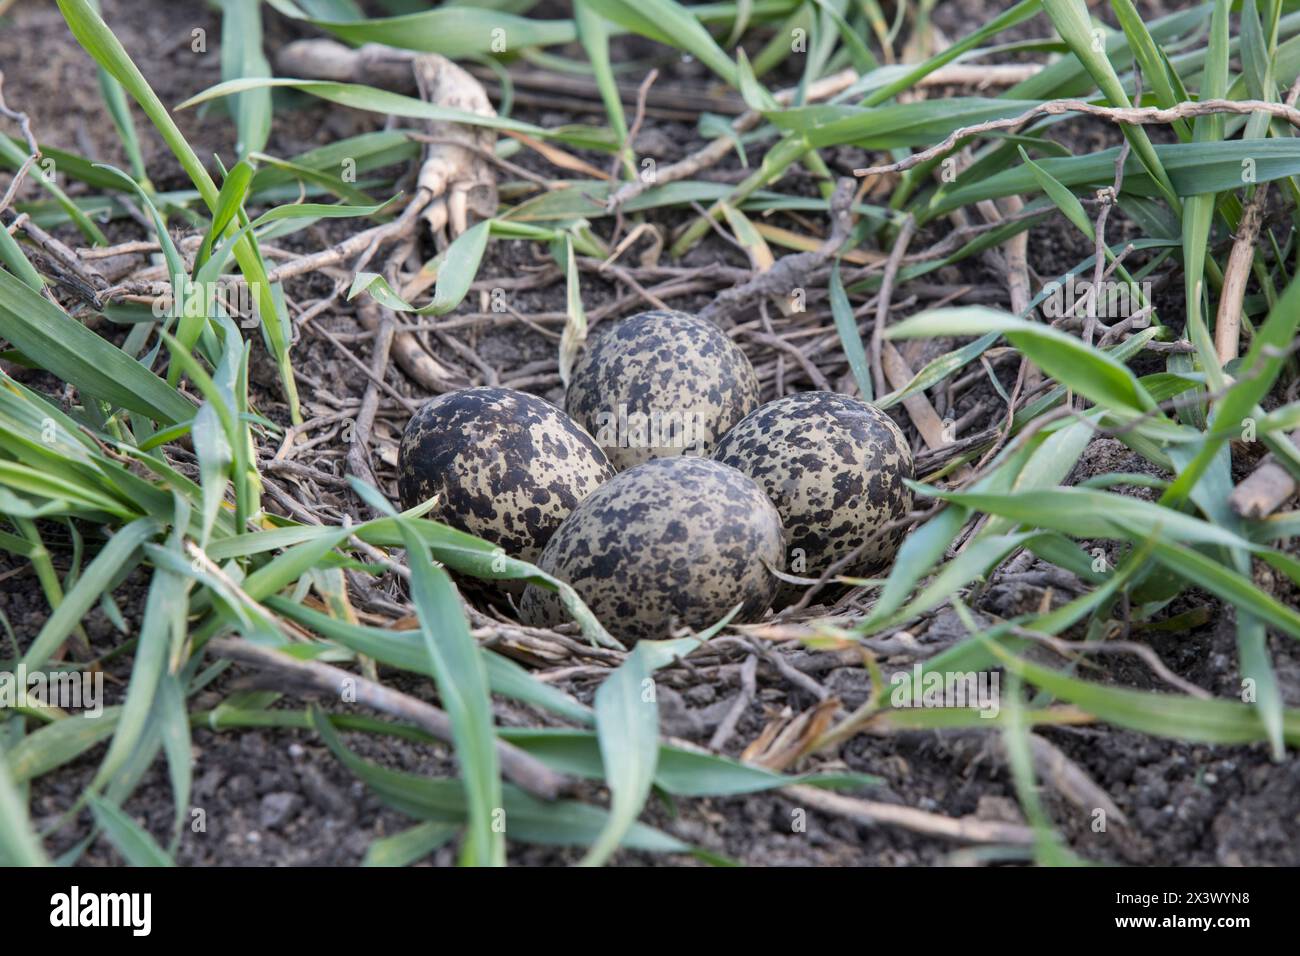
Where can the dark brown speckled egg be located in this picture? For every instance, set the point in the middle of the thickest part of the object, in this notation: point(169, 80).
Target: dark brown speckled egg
point(835, 467)
point(506, 466)
point(676, 542)
point(660, 384)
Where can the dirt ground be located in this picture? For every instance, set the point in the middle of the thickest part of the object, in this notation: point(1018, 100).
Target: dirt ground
point(279, 798)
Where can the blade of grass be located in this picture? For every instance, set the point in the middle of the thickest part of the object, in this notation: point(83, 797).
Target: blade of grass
point(98, 40)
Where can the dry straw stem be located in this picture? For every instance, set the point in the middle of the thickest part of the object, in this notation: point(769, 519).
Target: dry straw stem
point(1266, 489)
point(718, 149)
point(955, 74)
point(792, 271)
point(521, 768)
point(1132, 116)
point(1227, 323)
point(873, 813)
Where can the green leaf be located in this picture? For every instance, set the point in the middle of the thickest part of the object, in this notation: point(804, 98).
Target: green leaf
point(1167, 715)
point(398, 649)
point(98, 40)
point(367, 98)
point(242, 56)
point(1089, 371)
point(678, 771)
point(1065, 200)
point(627, 724)
point(130, 839)
point(846, 326)
point(456, 665)
point(59, 742)
point(454, 31)
point(1070, 17)
point(561, 823)
point(56, 342)
point(119, 553)
point(1192, 167)
point(19, 845)
point(409, 846)
point(164, 614)
point(672, 24)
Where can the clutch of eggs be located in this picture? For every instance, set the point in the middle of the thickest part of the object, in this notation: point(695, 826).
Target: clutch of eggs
point(715, 492)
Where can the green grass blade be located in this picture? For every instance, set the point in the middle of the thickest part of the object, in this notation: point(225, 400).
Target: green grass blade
point(561, 823)
point(409, 846)
point(98, 40)
point(119, 553)
point(164, 612)
point(19, 845)
point(456, 31)
point(1166, 715)
point(131, 840)
point(1070, 17)
point(1092, 373)
point(627, 724)
point(1198, 213)
point(850, 338)
point(56, 342)
point(241, 56)
point(456, 665)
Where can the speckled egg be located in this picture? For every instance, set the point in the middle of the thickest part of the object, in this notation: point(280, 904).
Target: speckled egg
point(658, 385)
point(507, 466)
point(676, 542)
point(835, 467)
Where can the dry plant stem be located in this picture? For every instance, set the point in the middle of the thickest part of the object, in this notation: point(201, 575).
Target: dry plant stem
point(1071, 649)
point(1227, 322)
point(518, 766)
point(33, 149)
point(1107, 197)
point(1016, 251)
point(792, 271)
point(787, 671)
point(1266, 488)
point(1071, 780)
point(873, 813)
point(748, 688)
point(627, 149)
point(882, 304)
point(359, 449)
point(981, 75)
point(1133, 116)
point(350, 247)
point(898, 373)
point(718, 149)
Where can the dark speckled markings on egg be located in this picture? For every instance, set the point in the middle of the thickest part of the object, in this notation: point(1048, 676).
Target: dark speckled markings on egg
point(834, 466)
point(660, 384)
point(674, 542)
point(508, 466)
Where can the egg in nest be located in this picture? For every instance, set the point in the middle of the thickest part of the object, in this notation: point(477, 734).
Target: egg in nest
point(505, 466)
point(835, 467)
point(660, 384)
point(674, 542)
